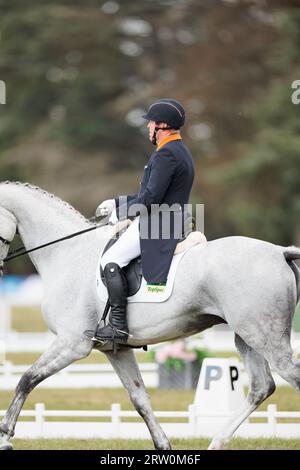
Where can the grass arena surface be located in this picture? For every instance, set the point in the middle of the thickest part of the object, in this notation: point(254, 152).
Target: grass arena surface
point(177, 444)
point(169, 400)
point(285, 398)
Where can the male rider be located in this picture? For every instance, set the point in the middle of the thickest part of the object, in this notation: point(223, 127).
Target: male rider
point(168, 178)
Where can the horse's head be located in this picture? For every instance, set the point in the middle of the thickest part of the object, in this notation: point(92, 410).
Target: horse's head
point(8, 226)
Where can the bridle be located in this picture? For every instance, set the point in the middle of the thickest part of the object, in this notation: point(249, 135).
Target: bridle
point(3, 240)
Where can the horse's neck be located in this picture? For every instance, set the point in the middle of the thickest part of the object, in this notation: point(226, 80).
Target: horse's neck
point(40, 220)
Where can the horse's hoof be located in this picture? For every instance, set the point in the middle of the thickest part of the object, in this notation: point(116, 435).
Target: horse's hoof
point(6, 447)
point(218, 444)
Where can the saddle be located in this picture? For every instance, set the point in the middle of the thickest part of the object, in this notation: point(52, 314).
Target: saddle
point(133, 271)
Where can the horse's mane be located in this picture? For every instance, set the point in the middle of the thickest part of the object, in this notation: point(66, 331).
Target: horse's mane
point(48, 195)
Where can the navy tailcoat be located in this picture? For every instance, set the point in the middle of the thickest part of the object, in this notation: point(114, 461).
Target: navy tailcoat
point(168, 178)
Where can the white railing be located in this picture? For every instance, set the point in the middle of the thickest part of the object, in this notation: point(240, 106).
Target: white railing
point(211, 340)
point(116, 426)
point(16, 342)
point(8, 368)
point(77, 376)
point(91, 376)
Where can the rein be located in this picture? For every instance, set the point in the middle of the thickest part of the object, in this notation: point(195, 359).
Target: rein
point(22, 250)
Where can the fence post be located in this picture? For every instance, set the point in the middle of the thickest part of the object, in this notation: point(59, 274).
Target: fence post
point(115, 419)
point(7, 369)
point(2, 351)
point(272, 421)
point(193, 420)
point(5, 318)
point(39, 418)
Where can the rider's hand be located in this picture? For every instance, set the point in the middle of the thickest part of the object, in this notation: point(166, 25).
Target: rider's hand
point(106, 208)
point(113, 217)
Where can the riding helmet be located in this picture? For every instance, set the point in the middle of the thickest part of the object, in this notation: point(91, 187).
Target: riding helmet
point(166, 110)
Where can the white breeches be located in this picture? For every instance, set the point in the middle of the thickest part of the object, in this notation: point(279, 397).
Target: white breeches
point(126, 248)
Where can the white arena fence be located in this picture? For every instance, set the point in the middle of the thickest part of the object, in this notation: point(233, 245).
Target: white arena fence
point(214, 340)
point(90, 376)
point(77, 376)
point(191, 424)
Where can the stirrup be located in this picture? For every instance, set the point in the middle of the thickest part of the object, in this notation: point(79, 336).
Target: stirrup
point(116, 340)
point(115, 334)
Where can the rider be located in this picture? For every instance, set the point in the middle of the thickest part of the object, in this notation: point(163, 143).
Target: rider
point(167, 179)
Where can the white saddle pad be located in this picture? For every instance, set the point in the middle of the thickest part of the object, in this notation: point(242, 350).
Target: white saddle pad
point(146, 293)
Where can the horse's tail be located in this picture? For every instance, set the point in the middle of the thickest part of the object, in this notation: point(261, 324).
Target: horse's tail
point(291, 253)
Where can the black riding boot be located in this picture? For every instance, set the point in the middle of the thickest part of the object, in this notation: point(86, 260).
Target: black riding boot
point(116, 283)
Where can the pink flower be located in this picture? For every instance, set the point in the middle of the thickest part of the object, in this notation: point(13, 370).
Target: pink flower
point(176, 350)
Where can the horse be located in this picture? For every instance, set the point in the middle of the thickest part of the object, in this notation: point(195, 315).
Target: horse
point(251, 285)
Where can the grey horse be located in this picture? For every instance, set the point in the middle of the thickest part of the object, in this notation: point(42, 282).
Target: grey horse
point(251, 285)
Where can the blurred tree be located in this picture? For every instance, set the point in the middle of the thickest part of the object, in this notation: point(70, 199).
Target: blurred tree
point(261, 187)
point(80, 73)
point(63, 68)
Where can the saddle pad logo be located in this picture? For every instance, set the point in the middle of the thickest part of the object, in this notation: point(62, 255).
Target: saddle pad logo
point(152, 289)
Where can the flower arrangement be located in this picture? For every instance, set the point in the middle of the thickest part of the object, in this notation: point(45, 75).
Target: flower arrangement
point(176, 354)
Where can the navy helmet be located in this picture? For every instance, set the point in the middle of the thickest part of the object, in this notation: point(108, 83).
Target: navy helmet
point(166, 110)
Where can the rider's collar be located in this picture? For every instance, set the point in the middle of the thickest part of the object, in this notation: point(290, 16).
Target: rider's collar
point(168, 139)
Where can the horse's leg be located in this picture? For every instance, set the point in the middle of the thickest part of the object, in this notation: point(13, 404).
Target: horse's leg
point(61, 353)
point(285, 363)
point(125, 365)
point(261, 386)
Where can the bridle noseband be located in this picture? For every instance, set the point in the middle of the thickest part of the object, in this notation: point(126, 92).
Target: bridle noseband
point(3, 240)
